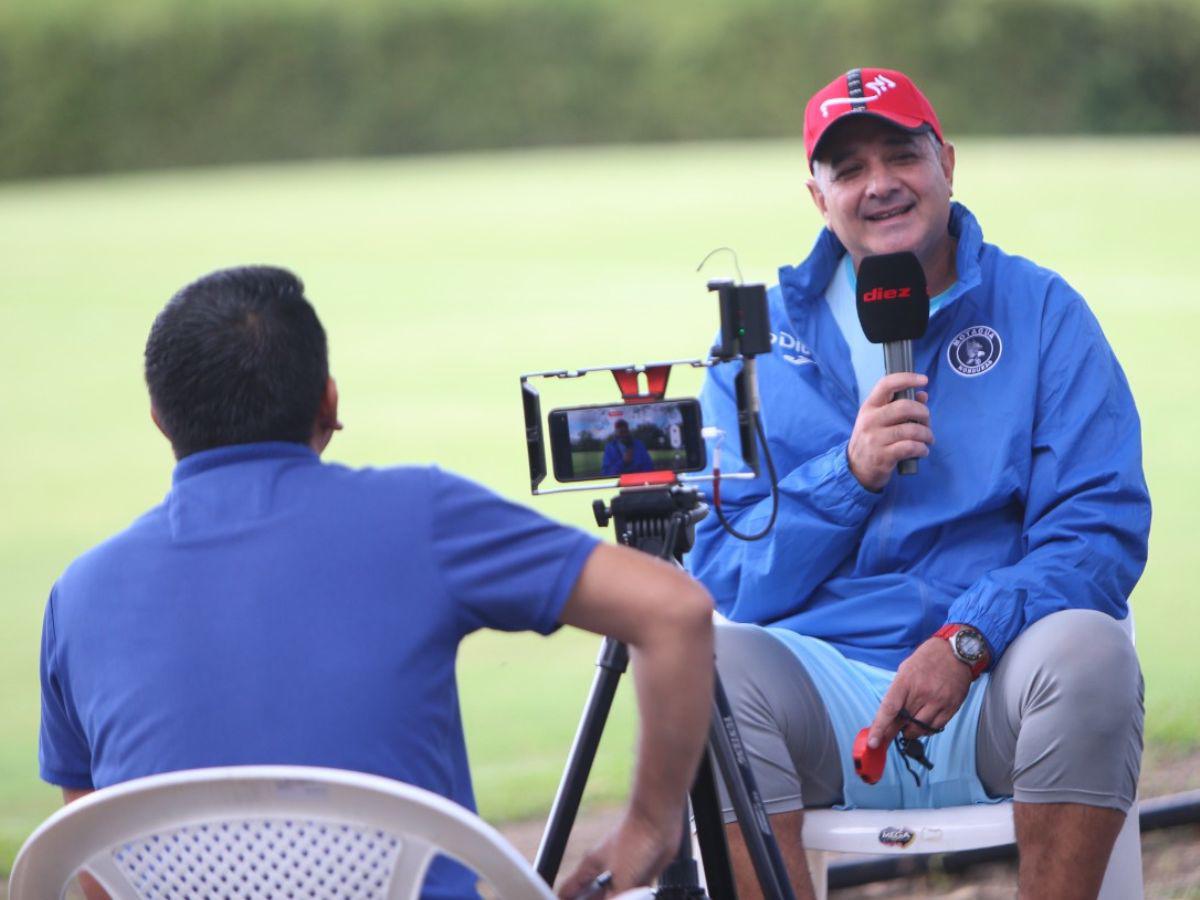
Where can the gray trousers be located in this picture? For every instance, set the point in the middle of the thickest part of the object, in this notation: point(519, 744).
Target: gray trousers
point(1061, 720)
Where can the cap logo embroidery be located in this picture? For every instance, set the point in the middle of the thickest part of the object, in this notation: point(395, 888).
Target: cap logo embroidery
point(880, 85)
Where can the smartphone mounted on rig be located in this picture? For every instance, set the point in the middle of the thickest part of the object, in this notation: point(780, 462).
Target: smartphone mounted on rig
point(607, 441)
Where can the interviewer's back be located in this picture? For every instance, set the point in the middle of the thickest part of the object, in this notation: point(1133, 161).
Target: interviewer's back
point(274, 605)
point(278, 609)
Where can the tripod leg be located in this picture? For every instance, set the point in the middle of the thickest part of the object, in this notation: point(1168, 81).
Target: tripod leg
point(730, 754)
point(710, 832)
point(611, 663)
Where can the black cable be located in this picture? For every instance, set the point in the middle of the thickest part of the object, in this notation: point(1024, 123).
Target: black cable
point(762, 437)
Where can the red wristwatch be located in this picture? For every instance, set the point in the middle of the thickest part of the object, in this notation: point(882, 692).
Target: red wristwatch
point(968, 645)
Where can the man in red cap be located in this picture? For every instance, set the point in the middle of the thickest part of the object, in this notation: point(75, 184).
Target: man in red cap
point(973, 613)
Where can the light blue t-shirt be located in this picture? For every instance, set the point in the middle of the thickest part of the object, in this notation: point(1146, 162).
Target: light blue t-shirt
point(865, 357)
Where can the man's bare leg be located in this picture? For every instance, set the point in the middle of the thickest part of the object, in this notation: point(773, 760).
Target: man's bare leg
point(1064, 848)
point(787, 828)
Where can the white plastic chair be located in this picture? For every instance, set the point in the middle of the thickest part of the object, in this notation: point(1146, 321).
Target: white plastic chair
point(264, 832)
point(915, 832)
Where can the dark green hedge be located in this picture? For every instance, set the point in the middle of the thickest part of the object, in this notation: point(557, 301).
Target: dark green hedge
point(172, 83)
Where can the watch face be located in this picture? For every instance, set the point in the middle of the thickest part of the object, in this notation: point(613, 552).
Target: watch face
point(969, 644)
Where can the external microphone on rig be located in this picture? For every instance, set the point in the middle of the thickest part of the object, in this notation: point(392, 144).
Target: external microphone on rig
point(745, 330)
point(893, 308)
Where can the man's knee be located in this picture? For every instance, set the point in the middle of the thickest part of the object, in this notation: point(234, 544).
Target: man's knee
point(1069, 690)
point(1087, 666)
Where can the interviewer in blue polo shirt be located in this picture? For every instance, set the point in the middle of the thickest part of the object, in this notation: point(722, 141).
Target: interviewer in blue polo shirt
point(278, 609)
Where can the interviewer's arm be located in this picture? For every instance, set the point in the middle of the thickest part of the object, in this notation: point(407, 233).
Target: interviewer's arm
point(666, 619)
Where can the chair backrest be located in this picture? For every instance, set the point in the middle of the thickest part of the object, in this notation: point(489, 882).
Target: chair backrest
point(264, 831)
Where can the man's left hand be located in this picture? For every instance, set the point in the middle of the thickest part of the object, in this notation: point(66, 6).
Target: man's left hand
point(930, 685)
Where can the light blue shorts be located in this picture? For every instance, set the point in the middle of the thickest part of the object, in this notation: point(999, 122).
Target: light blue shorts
point(852, 692)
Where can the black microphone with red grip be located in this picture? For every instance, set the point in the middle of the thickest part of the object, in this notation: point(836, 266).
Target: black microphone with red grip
point(893, 309)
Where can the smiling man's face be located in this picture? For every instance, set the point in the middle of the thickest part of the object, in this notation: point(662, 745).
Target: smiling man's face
point(883, 190)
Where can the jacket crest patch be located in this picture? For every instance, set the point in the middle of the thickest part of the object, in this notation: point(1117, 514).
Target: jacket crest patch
point(974, 350)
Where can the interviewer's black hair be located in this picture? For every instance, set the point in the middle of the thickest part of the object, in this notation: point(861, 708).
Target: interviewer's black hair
point(236, 357)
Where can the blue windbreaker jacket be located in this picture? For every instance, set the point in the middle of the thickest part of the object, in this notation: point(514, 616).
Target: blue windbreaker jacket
point(1031, 501)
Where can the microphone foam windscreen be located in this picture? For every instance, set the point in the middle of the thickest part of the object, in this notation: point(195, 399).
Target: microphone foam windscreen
point(892, 300)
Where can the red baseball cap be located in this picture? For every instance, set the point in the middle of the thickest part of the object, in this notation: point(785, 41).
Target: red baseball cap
point(882, 93)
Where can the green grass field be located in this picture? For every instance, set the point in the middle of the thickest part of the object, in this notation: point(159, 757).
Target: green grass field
point(441, 279)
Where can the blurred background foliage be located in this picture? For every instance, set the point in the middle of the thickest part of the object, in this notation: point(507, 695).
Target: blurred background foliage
point(89, 86)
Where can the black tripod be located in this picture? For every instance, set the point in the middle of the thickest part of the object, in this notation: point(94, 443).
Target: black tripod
point(661, 521)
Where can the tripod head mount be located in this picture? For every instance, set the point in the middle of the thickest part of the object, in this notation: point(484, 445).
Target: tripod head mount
point(660, 521)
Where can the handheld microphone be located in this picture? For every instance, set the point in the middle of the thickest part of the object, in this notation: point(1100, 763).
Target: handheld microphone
point(893, 309)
